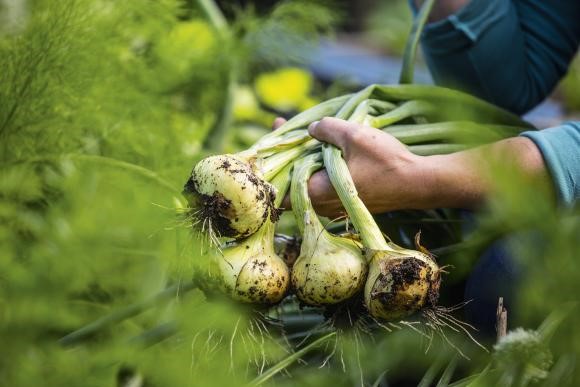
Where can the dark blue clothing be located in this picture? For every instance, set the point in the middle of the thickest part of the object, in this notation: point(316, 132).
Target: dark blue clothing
point(513, 53)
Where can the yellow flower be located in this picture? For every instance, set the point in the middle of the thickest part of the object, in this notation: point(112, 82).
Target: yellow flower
point(284, 89)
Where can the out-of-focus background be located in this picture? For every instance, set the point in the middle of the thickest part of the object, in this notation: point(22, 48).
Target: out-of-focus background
point(104, 108)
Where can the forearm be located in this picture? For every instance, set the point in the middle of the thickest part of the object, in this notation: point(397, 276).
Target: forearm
point(464, 179)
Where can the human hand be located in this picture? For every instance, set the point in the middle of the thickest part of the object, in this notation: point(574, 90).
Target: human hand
point(382, 168)
point(386, 175)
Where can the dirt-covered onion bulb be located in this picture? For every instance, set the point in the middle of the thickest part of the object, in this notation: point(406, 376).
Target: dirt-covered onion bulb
point(249, 271)
point(400, 282)
point(229, 196)
point(329, 270)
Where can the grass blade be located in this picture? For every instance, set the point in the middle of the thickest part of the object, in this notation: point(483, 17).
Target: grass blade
point(289, 360)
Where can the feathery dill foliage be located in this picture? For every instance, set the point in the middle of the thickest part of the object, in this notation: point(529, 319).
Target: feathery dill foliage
point(104, 106)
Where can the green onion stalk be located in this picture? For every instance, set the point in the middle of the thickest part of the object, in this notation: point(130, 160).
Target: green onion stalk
point(400, 281)
point(330, 269)
point(249, 270)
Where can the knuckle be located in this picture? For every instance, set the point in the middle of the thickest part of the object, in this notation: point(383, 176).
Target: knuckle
point(354, 135)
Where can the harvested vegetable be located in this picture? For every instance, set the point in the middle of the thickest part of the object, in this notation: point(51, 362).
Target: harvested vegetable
point(249, 270)
point(400, 281)
point(231, 196)
point(330, 268)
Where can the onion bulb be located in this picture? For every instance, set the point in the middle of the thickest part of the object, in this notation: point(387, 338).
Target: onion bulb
point(229, 195)
point(251, 272)
point(400, 282)
point(330, 269)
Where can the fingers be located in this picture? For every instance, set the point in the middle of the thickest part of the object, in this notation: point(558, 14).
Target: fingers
point(279, 121)
point(334, 131)
point(323, 195)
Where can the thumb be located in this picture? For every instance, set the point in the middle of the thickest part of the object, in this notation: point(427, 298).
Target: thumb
point(333, 131)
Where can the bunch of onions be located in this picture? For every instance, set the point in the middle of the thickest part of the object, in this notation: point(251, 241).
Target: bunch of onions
point(237, 195)
point(249, 270)
point(330, 269)
point(234, 196)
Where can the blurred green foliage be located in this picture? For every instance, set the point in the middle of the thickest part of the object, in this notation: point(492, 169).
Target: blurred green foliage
point(570, 86)
point(104, 106)
point(388, 25)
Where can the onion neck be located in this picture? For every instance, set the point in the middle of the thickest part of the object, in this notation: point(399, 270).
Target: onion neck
point(360, 216)
point(301, 204)
point(274, 164)
point(281, 183)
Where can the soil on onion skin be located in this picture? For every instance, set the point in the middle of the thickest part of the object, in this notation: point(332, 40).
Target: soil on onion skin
point(403, 273)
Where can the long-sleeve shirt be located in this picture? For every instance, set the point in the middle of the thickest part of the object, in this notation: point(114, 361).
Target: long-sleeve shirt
point(513, 53)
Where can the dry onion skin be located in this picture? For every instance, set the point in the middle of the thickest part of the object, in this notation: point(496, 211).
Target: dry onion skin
point(330, 269)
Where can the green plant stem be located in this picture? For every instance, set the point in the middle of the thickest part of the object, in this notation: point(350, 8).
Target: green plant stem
point(453, 131)
point(281, 182)
point(269, 373)
point(301, 203)
point(407, 70)
point(215, 16)
point(272, 165)
point(266, 233)
point(406, 110)
point(301, 121)
point(116, 317)
point(214, 141)
point(378, 107)
point(291, 139)
point(155, 335)
point(451, 104)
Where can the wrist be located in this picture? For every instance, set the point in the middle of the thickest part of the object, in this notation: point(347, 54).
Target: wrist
point(450, 180)
point(415, 182)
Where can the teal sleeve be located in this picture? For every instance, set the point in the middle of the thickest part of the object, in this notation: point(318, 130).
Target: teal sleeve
point(509, 52)
point(560, 147)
